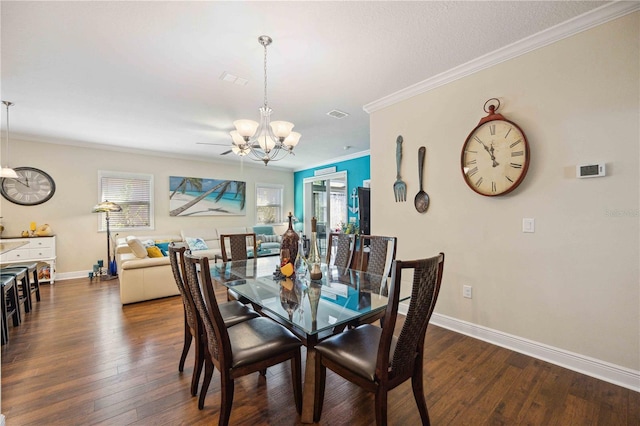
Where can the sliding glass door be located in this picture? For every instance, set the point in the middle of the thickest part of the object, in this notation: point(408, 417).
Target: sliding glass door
point(325, 197)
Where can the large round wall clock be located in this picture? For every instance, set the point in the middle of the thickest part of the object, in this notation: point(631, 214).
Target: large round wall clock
point(495, 156)
point(32, 187)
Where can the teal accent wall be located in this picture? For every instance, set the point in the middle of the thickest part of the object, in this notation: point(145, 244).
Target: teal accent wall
point(358, 170)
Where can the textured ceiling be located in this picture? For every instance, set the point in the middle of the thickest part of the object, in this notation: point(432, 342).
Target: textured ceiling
point(146, 75)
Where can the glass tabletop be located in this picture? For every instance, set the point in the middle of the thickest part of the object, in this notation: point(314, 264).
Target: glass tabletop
point(343, 295)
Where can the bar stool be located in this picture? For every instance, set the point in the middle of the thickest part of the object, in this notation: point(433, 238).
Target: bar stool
point(22, 284)
point(34, 284)
point(9, 305)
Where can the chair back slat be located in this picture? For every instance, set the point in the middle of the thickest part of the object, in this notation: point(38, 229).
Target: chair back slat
point(176, 258)
point(199, 281)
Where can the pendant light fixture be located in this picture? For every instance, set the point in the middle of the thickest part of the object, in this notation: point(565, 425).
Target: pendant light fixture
point(267, 140)
point(6, 171)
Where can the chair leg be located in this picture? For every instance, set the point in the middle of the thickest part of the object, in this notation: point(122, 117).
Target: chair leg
point(320, 378)
point(418, 393)
point(208, 372)
point(5, 324)
point(296, 377)
point(197, 366)
point(226, 398)
point(381, 406)
point(15, 301)
point(36, 284)
point(26, 290)
point(187, 344)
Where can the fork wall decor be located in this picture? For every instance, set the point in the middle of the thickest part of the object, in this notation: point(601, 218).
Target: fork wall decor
point(399, 187)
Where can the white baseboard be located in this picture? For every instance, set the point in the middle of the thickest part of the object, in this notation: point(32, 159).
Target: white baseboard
point(61, 276)
point(602, 370)
point(2, 421)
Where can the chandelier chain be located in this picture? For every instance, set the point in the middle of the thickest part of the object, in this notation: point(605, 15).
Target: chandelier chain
point(265, 75)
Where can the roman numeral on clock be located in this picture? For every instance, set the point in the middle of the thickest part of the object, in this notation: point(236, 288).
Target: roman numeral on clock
point(492, 129)
point(479, 181)
point(472, 171)
point(517, 153)
point(515, 165)
point(515, 143)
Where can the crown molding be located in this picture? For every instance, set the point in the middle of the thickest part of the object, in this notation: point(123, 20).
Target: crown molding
point(551, 35)
point(335, 160)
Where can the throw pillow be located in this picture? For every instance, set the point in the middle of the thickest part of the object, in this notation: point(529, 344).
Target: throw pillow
point(163, 246)
point(154, 252)
point(196, 244)
point(137, 247)
point(272, 238)
point(148, 243)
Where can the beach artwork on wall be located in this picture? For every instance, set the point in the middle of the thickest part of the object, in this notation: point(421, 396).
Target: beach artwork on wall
point(190, 196)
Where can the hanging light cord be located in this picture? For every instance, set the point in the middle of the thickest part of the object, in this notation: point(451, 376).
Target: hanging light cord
point(7, 104)
point(265, 74)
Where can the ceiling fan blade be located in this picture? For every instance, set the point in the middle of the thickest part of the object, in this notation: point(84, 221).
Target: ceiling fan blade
point(226, 152)
point(214, 144)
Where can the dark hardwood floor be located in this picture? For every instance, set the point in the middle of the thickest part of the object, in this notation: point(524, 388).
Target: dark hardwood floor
point(81, 358)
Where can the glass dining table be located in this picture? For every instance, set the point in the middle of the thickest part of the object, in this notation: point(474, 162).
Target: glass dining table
point(312, 310)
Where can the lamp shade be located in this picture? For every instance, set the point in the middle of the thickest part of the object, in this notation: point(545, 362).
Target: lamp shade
point(281, 129)
point(106, 206)
point(7, 172)
point(293, 139)
point(246, 128)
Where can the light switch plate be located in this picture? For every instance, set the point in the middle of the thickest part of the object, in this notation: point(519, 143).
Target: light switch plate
point(528, 225)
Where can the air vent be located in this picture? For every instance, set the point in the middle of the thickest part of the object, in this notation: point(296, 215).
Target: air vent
point(337, 114)
point(230, 78)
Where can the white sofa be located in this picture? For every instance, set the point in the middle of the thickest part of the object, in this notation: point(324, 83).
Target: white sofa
point(145, 278)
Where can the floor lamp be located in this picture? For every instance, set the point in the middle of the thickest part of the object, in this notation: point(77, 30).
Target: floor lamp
point(106, 207)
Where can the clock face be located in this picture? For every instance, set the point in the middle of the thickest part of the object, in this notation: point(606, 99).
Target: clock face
point(495, 158)
point(32, 187)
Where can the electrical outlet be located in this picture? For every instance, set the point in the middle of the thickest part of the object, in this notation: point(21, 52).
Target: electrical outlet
point(466, 291)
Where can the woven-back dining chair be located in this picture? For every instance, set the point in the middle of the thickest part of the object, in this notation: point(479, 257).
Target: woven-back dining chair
point(376, 360)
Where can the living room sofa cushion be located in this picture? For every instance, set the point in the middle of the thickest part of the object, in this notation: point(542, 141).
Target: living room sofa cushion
point(136, 247)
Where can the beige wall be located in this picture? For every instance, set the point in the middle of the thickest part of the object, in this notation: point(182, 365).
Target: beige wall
point(75, 171)
point(574, 283)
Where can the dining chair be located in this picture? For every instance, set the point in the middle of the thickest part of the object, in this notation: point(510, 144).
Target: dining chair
point(247, 347)
point(376, 360)
point(232, 313)
point(344, 247)
point(238, 250)
point(375, 255)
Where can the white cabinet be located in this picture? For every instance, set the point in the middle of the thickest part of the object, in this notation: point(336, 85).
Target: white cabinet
point(37, 249)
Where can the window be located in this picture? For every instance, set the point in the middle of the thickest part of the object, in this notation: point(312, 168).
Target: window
point(269, 203)
point(134, 193)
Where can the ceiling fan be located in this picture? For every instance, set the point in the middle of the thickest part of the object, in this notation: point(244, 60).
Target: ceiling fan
point(217, 144)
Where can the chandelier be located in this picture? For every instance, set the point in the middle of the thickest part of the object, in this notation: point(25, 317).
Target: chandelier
point(267, 140)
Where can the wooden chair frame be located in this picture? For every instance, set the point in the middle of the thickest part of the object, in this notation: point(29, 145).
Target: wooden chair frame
point(345, 247)
point(218, 347)
point(238, 246)
point(406, 361)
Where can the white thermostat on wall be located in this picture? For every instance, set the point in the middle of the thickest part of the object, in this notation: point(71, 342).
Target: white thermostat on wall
point(590, 170)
